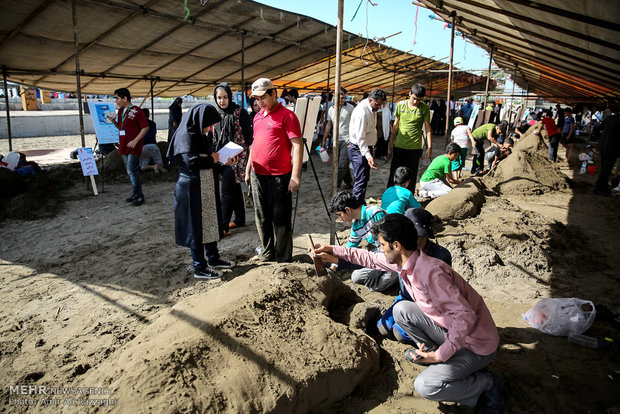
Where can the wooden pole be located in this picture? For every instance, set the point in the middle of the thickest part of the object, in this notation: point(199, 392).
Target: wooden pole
point(77, 69)
point(336, 125)
point(448, 110)
point(243, 69)
point(8, 110)
point(329, 65)
point(486, 89)
point(152, 103)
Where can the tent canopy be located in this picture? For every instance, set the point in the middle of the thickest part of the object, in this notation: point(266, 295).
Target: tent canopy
point(567, 50)
point(136, 43)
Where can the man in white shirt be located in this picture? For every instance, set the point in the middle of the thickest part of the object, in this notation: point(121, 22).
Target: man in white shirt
point(362, 135)
point(344, 175)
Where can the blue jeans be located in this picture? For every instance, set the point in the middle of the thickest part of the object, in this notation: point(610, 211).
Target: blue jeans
point(361, 173)
point(554, 143)
point(131, 165)
point(198, 255)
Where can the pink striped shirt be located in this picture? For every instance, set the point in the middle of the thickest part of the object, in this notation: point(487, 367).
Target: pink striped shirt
point(443, 295)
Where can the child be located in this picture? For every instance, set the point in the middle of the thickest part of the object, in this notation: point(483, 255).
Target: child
point(362, 218)
point(553, 132)
point(434, 181)
point(398, 198)
point(498, 152)
point(461, 135)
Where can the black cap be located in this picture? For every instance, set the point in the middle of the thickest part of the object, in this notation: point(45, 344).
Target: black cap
point(422, 220)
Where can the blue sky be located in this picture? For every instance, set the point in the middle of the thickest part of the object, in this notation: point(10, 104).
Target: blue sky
point(392, 16)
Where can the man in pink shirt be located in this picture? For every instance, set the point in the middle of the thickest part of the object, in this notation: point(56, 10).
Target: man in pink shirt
point(274, 172)
point(447, 319)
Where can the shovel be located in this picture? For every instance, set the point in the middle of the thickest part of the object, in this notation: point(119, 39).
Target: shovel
point(319, 266)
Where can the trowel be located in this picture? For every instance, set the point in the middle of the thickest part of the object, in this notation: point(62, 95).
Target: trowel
point(319, 266)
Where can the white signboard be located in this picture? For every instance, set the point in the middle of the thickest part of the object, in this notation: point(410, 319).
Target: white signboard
point(472, 118)
point(89, 167)
point(106, 132)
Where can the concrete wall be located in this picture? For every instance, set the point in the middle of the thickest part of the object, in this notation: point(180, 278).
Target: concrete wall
point(61, 117)
point(55, 123)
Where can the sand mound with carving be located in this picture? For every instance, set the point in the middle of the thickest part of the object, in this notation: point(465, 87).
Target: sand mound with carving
point(527, 171)
point(260, 343)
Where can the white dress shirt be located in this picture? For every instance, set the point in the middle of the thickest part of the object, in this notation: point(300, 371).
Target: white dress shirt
point(363, 128)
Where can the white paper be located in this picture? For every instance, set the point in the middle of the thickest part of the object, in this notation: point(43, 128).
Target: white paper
point(228, 151)
point(87, 160)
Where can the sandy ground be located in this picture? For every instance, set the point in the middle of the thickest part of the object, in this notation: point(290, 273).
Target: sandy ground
point(98, 295)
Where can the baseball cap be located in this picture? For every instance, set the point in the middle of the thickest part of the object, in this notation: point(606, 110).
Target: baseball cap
point(458, 121)
point(422, 220)
point(261, 86)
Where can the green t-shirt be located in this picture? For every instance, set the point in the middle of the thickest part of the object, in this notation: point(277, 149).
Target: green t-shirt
point(411, 124)
point(482, 132)
point(439, 168)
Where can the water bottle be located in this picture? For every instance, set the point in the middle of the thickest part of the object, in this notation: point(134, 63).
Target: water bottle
point(583, 167)
point(323, 154)
point(590, 156)
point(584, 340)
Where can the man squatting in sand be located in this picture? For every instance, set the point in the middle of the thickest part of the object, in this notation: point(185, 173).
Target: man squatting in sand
point(448, 320)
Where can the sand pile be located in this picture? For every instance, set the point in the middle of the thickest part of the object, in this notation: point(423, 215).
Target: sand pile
point(260, 343)
point(527, 171)
point(464, 201)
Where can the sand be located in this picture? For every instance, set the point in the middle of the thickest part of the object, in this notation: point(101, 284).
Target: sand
point(96, 294)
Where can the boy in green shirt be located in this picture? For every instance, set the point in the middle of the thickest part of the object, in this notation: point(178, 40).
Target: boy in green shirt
point(434, 181)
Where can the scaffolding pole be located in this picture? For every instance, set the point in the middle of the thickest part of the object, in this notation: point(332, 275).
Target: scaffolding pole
point(77, 70)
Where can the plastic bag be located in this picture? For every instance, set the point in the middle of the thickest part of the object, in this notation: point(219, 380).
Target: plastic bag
point(561, 316)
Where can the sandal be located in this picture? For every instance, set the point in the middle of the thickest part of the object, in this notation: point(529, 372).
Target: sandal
point(411, 356)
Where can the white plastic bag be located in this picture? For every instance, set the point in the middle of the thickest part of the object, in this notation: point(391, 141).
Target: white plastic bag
point(561, 316)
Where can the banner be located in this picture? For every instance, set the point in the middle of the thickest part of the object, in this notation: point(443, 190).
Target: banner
point(105, 130)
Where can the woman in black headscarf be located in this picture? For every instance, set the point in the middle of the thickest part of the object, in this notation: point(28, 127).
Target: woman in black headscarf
point(235, 126)
point(174, 116)
point(196, 204)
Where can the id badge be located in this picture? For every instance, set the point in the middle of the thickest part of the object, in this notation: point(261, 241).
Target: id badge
point(121, 133)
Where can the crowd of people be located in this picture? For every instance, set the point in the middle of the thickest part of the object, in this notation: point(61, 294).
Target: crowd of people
point(445, 320)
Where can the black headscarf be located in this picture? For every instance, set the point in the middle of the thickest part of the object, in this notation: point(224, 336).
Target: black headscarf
point(189, 137)
point(176, 112)
point(225, 129)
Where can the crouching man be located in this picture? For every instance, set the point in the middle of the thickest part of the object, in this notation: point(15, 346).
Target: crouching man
point(447, 319)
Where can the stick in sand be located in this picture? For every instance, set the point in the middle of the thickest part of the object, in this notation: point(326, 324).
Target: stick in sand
point(319, 266)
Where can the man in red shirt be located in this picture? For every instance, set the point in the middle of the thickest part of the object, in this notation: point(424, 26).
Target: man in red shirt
point(273, 172)
point(554, 135)
point(132, 127)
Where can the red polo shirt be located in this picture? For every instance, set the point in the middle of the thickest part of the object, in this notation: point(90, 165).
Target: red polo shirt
point(271, 149)
point(550, 126)
point(131, 123)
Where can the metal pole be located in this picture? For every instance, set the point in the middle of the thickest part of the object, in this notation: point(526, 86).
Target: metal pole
point(512, 102)
point(336, 126)
point(8, 110)
point(393, 90)
point(243, 69)
point(77, 69)
point(448, 111)
point(329, 65)
point(486, 89)
point(152, 103)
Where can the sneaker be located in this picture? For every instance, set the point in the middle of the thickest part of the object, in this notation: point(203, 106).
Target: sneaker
point(222, 264)
point(138, 200)
point(207, 274)
point(491, 401)
point(130, 199)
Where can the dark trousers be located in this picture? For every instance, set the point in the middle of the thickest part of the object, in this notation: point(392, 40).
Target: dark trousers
point(554, 143)
point(361, 172)
point(344, 174)
point(477, 163)
point(232, 199)
point(405, 158)
point(602, 182)
point(273, 206)
point(198, 255)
